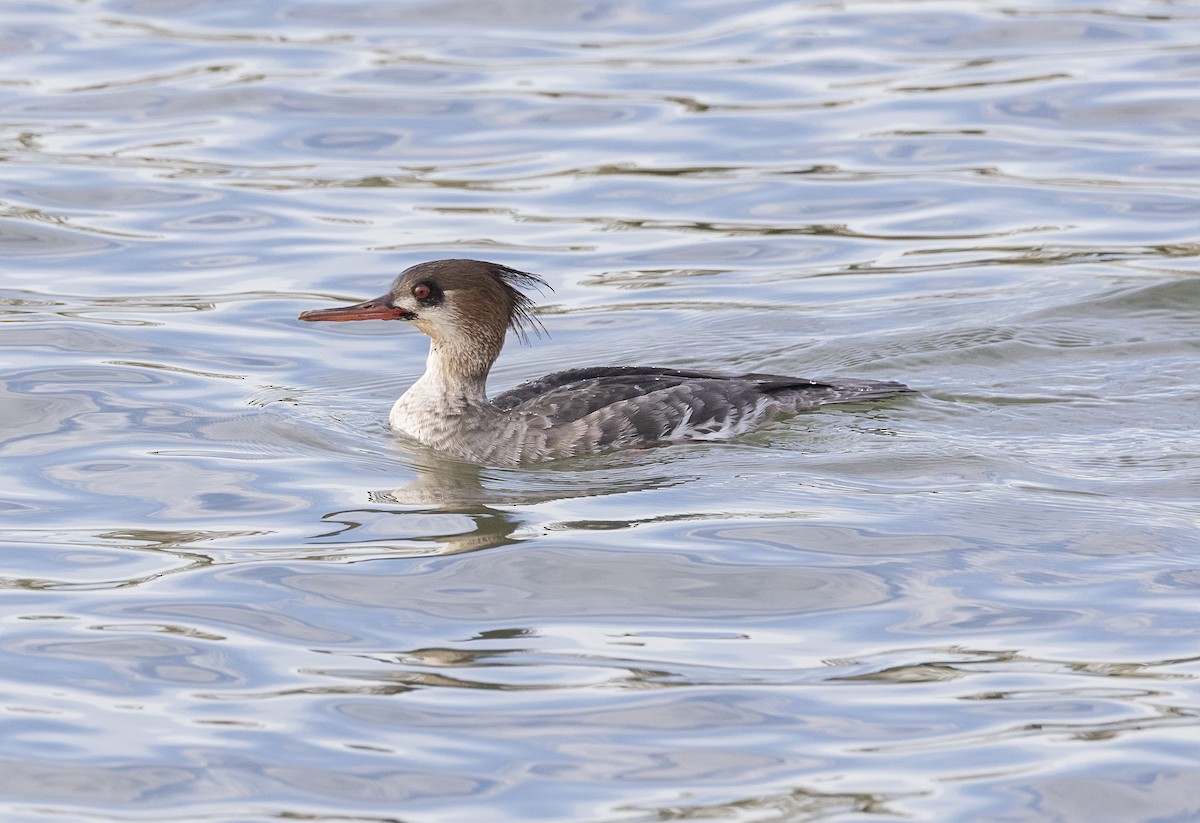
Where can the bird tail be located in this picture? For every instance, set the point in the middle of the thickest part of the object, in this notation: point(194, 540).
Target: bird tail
point(805, 394)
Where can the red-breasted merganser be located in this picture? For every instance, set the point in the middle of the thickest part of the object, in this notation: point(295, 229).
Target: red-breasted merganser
point(467, 307)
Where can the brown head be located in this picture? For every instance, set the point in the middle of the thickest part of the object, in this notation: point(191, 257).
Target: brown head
point(465, 306)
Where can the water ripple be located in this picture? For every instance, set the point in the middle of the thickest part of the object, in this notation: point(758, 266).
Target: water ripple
point(231, 593)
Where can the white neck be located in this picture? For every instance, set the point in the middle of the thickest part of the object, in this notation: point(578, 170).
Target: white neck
point(444, 399)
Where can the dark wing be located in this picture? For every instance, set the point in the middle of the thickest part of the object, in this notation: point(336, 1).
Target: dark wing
point(542, 385)
point(582, 411)
point(572, 394)
point(567, 396)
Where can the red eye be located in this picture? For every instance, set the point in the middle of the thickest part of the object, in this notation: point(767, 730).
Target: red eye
point(421, 292)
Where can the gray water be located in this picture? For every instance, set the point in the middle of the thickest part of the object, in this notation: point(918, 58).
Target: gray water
point(229, 593)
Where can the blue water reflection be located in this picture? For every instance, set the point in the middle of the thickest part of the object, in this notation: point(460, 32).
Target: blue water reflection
point(230, 593)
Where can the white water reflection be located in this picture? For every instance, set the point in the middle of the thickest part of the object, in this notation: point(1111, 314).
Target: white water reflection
point(231, 593)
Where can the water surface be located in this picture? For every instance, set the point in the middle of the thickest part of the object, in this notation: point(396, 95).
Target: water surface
point(229, 593)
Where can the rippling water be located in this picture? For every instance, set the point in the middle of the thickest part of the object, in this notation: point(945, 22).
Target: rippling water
point(230, 594)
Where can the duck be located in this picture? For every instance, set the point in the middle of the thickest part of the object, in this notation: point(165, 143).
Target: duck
point(467, 309)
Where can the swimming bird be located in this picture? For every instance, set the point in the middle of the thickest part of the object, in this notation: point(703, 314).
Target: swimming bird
point(467, 307)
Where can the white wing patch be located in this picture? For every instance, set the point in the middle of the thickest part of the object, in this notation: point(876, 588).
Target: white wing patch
point(682, 430)
point(736, 421)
